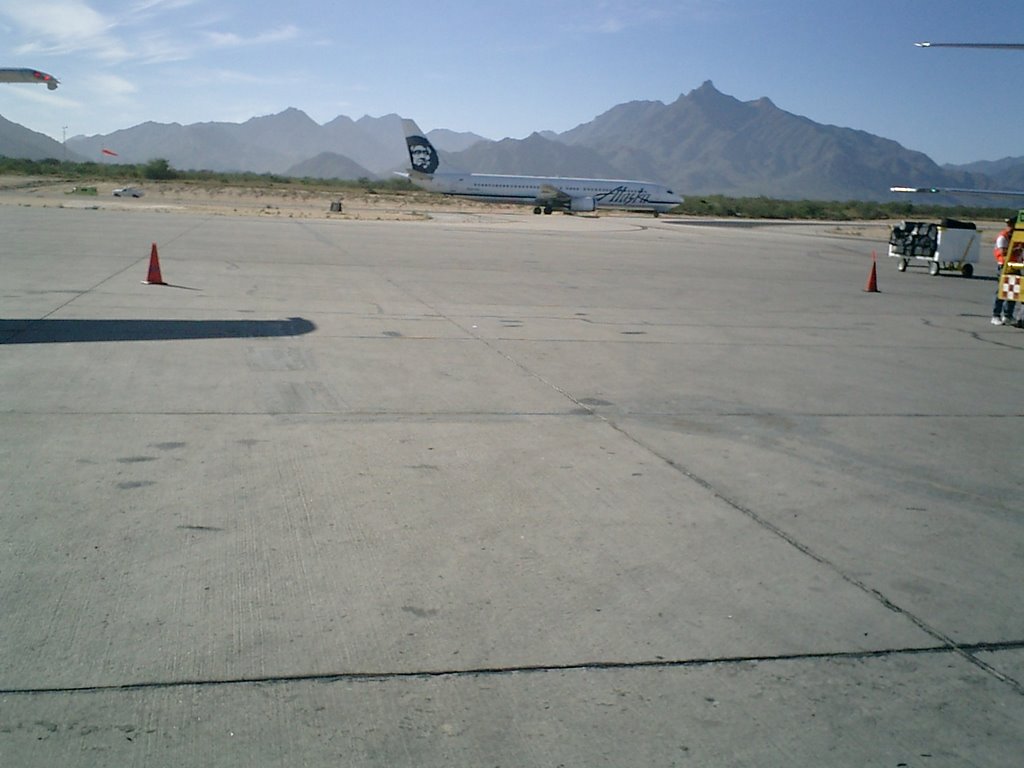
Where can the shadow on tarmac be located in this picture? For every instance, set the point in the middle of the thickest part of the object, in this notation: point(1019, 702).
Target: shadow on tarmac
point(71, 331)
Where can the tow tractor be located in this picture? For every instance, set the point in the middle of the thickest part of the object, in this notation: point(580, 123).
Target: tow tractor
point(950, 245)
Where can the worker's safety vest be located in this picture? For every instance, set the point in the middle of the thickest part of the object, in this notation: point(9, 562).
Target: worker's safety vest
point(1000, 253)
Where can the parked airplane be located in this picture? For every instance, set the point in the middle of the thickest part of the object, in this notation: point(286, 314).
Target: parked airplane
point(9, 75)
point(545, 193)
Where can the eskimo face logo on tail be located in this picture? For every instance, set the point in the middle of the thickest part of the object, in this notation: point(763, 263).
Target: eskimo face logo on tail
point(422, 154)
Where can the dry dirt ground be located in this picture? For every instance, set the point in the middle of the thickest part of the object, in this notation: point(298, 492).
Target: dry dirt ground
point(282, 201)
point(275, 201)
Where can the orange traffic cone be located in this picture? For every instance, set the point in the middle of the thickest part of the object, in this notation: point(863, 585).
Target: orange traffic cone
point(154, 277)
point(872, 286)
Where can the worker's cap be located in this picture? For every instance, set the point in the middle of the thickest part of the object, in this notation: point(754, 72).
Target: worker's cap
point(1011, 221)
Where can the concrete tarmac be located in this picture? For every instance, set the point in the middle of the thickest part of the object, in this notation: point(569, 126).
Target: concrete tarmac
point(502, 490)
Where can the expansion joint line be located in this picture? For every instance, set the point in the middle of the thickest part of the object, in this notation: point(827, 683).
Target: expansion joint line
point(476, 672)
point(967, 652)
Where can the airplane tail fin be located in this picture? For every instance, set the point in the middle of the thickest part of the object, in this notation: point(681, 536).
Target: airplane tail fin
point(422, 155)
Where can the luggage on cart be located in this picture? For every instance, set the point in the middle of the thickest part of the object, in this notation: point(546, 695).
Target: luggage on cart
point(949, 245)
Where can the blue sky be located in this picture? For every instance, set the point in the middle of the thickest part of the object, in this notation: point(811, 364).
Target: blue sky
point(510, 68)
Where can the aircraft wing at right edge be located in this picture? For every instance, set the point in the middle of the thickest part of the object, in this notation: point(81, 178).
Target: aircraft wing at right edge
point(959, 191)
point(1007, 46)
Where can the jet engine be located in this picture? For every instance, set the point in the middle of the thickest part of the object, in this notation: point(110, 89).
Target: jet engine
point(582, 205)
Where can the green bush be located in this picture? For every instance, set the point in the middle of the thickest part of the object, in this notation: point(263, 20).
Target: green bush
point(159, 169)
point(817, 210)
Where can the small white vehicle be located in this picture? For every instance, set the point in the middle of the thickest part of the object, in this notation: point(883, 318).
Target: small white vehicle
point(950, 245)
point(128, 192)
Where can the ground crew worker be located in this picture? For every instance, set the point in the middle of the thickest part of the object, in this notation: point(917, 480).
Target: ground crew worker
point(1002, 311)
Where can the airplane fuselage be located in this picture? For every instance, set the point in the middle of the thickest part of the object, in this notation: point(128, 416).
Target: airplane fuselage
point(541, 190)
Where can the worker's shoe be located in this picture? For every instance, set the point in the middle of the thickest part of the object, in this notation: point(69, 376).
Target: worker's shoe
point(996, 320)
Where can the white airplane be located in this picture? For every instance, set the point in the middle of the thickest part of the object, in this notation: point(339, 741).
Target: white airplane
point(9, 75)
point(544, 193)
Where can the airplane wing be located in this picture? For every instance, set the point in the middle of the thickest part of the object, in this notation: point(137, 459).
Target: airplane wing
point(549, 193)
point(1011, 46)
point(959, 191)
point(21, 75)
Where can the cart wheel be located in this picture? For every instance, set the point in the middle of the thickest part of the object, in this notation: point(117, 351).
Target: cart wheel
point(967, 270)
point(901, 265)
point(933, 268)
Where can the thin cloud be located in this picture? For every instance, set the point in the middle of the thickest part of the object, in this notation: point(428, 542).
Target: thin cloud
point(58, 19)
point(64, 26)
point(235, 77)
point(609, 19)
point(46, 100)
point(113, 85)
point(143, 6)
point(232, 40)
point(611, 26)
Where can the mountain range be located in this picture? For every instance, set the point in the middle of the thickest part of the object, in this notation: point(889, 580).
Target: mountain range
point(705, 142)
point(18, 141)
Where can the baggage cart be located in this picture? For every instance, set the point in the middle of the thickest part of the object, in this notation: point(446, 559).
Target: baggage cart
point(950, 245)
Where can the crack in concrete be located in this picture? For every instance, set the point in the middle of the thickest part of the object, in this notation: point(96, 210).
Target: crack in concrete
point(583, 666)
